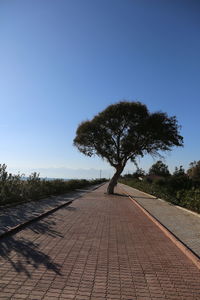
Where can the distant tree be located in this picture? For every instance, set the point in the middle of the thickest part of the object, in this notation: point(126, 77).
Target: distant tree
point(124, 131)
point(178, 181)
point(194, 170)
point(179, 171)
point(128, 175)
point(159, 169)
point(138, 173)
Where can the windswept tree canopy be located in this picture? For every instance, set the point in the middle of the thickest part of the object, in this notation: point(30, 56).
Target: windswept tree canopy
point(126, 130)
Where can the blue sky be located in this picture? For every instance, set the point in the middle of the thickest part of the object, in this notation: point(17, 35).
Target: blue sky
point(64, 61)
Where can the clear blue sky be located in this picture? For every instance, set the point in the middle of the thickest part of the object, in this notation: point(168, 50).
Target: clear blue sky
point(64, 61)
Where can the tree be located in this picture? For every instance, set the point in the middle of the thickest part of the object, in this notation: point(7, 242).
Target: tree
point(194, 170)
point(179, 171)
point(178, 181)
point(159, 169)
point(138, 173)
point(124, 131)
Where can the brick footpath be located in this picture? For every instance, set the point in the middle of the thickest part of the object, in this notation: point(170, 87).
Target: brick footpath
point(184, 224)
point(100, 247)
point(11, 217)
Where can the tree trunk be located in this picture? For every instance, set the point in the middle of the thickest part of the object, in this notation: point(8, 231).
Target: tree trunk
point(114, 179)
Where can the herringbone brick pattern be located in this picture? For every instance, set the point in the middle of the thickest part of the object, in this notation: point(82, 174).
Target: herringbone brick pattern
point(100, 247)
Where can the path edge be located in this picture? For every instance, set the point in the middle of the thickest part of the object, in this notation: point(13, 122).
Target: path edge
point(182, 246)
point(23, 225)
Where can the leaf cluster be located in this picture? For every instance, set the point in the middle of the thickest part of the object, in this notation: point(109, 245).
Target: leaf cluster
point(126, 130)
point(159, 169)
point(194, 170)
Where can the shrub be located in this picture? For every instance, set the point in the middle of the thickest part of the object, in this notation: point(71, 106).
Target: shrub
point(179, 190)
point(14, 188)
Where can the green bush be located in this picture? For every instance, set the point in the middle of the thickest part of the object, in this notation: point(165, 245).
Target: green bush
point(14, 188)
point(179, 190)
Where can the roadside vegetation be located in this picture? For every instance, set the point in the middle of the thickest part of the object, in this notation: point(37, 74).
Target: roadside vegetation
point(16, 188)
point(180, 188)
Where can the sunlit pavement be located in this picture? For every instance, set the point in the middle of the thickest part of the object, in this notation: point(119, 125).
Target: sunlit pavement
point(184, 224)
point(99, 247)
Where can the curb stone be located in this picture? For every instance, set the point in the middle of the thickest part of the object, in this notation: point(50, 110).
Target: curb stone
point(23, 225)
point(180, 244)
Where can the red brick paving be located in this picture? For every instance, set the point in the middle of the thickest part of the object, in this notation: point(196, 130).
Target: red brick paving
point(100, 247)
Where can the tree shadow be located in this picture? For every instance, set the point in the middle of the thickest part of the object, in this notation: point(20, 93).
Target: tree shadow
point(141, 197)
point(116, 194)
point(22, 253)
point(28, 253)
point(45, 226)
point(72, 208)
point(120, 195)
point(12, 217)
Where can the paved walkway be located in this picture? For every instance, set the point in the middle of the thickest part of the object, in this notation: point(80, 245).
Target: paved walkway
point(182, 223)
point(22, 213)
point(100, 247)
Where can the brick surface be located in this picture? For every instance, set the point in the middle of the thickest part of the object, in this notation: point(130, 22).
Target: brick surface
point(182, 223)
point(99, 247)
point(11, 217)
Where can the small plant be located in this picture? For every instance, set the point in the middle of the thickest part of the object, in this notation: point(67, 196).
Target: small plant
point(15, 188)
point(178, 190)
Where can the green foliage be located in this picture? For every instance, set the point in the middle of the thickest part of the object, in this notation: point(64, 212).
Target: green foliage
point(179, 171)
point(181, 182)
point(124, 131)
point(159, 169)
point(179, 190)
point(14, 189)
point(194, 170)
point(138, 173)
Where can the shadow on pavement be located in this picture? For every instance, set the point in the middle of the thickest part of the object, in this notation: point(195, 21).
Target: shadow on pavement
point(141, 197)
point(45, 226)
point(121, 195)
point(23, 254)
point(10, 217)
point(70, 208)
point(27, 253)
